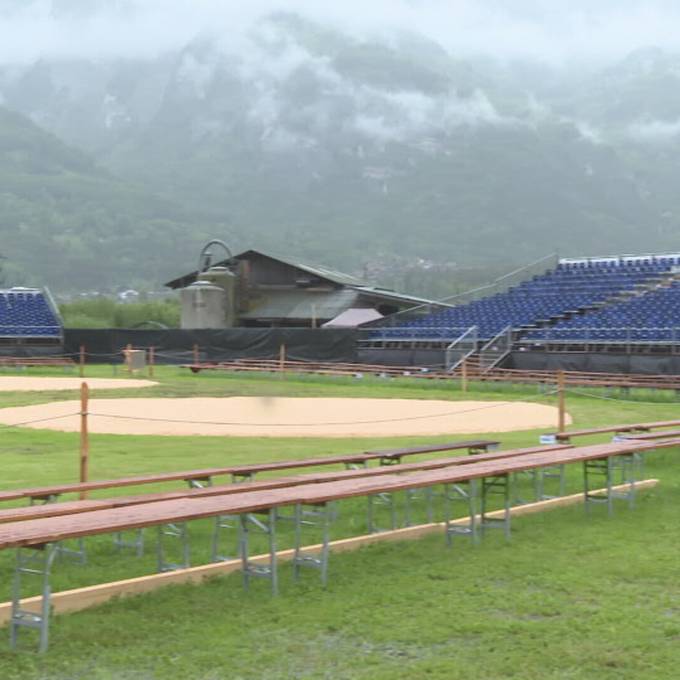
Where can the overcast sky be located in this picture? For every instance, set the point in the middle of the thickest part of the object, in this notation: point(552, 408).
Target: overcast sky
point(593, 30)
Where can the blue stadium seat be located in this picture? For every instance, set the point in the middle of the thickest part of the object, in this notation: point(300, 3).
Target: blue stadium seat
point(26, 313)
point(569, 286)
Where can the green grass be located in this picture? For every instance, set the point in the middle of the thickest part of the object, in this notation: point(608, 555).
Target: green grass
point(570, 597)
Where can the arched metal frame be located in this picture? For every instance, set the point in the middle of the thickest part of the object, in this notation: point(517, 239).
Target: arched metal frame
point(204, 261)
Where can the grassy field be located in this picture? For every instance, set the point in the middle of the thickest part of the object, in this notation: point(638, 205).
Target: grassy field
point(570, 596)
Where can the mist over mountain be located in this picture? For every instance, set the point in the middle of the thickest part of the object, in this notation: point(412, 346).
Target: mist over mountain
point(348, 142)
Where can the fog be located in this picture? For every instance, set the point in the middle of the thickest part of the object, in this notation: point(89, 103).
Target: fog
point(579, 31)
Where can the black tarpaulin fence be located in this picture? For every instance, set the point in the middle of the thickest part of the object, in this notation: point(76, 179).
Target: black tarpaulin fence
point(595, 362)
point(176, 346)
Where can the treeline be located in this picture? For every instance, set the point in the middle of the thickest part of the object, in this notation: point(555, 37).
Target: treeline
point(108, 313)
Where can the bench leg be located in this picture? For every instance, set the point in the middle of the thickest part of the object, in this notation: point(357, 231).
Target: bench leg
point(467, 494)
point(547, 473)
point(495, 486)
point(179, 532)
point(136, 544)
point(628, 465)
point(250, 569)
point(77, 554)
point(532, 475)
point(199, 483)
point(411, 495)
point(306, 559)
point(381, 499)
point(38, 563)
point(222, 523)
point(238, 477)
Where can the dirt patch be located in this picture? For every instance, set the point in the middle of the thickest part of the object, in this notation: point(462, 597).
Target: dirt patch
point(17, 383)
point(287, 417)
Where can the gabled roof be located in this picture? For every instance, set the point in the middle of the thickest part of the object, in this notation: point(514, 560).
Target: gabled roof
point(301, 304)
point(331, 275)
point(296, 304)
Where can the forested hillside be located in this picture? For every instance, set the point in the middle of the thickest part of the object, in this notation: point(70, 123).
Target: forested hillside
point(364, 154)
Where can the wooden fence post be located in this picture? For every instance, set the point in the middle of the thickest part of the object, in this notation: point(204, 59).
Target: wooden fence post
point(84, 437)
point(82, 361)
point(282, 357)
point(560, 402)
point(197, 355)
point(151, 360)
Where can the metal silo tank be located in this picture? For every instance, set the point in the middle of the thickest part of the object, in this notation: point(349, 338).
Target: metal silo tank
point(204, 305)
point(228, 281)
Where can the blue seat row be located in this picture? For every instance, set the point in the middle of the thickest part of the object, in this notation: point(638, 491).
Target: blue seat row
point(27, 313)
point(570, 286)
point(653, 316)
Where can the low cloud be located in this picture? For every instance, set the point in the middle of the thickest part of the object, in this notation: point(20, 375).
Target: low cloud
point(654, 130)
point(535, 29)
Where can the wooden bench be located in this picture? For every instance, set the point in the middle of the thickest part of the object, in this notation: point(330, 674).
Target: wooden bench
point(648, 436)
point(24, 513)
point(239, 472)
point(244, 499)
point(630, 427)
point(44, 534)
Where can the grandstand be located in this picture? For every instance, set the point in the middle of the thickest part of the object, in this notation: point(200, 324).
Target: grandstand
point(578, 303)
point(29, 316)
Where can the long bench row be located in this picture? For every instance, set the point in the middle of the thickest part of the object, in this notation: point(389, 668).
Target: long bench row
point(256, 506)
point(51, 529)
point(241, 472)
point(23, 513)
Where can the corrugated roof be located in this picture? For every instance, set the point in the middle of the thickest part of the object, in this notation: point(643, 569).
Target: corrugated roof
point(317, 270)
point(387, 294)
point(302, 304)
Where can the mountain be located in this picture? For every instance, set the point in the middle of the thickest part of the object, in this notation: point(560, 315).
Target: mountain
point(339, 149)
point(68, 223)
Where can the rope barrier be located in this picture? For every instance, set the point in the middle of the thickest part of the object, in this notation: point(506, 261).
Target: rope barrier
point(618, 399)
point(39, 420)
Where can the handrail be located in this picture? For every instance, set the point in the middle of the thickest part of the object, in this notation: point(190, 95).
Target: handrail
point(628, 257)
point(488, 349)
point(54, 307)
point(473, 332)
point(445, 302)
point(500, 279)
